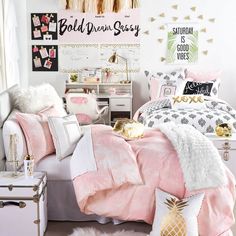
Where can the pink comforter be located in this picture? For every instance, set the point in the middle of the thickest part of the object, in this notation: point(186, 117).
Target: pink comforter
point(123, 196)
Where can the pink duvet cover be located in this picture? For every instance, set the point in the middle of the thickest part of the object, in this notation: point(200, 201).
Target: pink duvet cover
point(105, 192)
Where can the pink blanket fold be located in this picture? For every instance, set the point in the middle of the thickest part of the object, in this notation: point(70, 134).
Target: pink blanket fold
point(116, 189)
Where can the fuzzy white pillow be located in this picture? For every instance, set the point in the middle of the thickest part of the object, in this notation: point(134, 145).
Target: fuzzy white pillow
point(34, 99)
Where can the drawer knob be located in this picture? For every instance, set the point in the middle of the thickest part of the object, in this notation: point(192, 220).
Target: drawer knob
point(226, 145)
point(226, 156)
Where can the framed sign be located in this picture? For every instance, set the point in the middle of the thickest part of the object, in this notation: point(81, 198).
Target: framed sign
point(109, 27)
point(43, 26)
point(45, 58)
point(182, 43)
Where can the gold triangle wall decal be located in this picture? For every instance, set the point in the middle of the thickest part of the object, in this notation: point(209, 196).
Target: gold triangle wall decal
point(187, 17)
point(175, 6)
point(162, 14)
point(205, 52)
point(163, 59)
point(193, 8)
point(160, 40)
point(200, 17)
point(174, 18)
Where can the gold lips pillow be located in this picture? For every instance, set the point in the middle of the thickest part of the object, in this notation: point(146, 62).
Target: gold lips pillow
point(129, 129)
point(176, 217)
point(223, 130)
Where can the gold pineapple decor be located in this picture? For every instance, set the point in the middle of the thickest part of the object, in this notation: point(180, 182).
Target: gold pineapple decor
point(173, 224)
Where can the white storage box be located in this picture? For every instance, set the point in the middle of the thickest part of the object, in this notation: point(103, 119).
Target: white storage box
point(23, 205)
point(227, 149)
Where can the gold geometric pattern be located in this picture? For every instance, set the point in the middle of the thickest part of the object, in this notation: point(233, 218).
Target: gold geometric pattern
point(193, 8)
point(163, 59)
point(162, 27)
point(160, 40)
point(162, 15)
point(174, 224)
point(152, 19)
point(205, 52)
point(210, 40)
point(203, 30)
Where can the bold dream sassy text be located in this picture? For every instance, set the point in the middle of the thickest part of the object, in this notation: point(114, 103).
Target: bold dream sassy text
point(89, 27)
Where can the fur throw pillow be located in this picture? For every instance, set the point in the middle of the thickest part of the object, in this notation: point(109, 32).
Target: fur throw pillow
point(34, 99)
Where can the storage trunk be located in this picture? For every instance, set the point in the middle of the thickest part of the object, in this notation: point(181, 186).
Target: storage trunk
point(23, 205)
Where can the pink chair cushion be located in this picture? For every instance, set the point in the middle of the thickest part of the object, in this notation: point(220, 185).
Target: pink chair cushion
point(36, 130)
point(83, 118)
point(79, 100)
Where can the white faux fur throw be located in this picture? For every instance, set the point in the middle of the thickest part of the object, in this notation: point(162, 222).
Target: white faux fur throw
point(199, 159)
point(94, 232)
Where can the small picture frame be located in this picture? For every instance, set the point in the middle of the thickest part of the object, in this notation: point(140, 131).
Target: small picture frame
point(37, 33)
point(43, 52)
point(36, 21)
point(35, 48)
point(44, 28)
point(37, 62)
point(48, 64)
point(52, 26)
point(167, 90)
point(47, 36)
point(45, 19)
point(52, 52)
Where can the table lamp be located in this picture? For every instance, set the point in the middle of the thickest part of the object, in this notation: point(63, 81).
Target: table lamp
point(115, 59)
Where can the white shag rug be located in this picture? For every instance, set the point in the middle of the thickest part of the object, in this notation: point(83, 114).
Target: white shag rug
point(95, 232)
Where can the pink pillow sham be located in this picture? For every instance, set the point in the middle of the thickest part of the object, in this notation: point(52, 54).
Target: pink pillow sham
point(36, 130)
point(203, 75)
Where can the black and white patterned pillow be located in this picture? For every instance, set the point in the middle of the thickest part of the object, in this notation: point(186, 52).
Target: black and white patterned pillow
point(164, 84)
point(210, 88)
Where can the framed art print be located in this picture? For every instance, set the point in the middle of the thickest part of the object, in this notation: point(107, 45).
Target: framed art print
point(44, 58)
point(44, 26)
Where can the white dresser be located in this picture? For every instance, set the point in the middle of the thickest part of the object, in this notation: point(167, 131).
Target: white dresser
point(23, 205)
point(227, 149)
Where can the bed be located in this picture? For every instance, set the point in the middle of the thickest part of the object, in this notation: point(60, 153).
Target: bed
point(64, 194)
point(205, 120)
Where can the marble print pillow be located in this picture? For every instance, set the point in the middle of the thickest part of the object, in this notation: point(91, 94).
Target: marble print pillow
point(162, 84)
point(176, 216)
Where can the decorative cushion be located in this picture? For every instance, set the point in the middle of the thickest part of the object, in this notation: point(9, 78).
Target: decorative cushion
point(188, 102)
point(176, 217)
point(66, 133)
point(210, 88)
point(34, 99)
point(35, 127)
point(202, 76)
point(164, 84)
point(11, 126)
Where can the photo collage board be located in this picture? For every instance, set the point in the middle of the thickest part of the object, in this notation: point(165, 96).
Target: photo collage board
point(44, 31)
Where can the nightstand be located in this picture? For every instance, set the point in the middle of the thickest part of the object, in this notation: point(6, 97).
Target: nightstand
point(23, 204)
point(227, 149)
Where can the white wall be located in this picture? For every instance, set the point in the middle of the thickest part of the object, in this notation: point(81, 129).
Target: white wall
point(221, 53)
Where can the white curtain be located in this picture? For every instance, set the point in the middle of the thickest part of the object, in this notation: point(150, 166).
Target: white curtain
point(11, 44)
point(3, 82)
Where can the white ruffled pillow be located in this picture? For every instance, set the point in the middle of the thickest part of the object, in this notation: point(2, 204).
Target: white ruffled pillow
point(174, 216)
point(35, 99)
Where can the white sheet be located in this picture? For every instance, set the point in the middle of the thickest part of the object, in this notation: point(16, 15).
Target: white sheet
point(56, 170)
point(83, 159)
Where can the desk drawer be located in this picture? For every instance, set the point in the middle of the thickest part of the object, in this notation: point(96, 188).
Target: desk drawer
point(120, 104)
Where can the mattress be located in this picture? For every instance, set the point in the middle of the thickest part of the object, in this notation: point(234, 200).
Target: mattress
point(62, 204)
point(56, 170)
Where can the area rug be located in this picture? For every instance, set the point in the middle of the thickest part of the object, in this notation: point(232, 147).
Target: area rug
point(95, 232)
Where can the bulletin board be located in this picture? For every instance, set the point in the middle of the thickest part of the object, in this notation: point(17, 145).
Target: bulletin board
point(44, 26)
point(45, 58)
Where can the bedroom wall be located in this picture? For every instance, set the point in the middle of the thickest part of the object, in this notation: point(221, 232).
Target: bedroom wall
point(220, 53)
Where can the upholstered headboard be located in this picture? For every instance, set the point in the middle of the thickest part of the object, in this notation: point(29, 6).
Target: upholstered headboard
point(5, 109)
